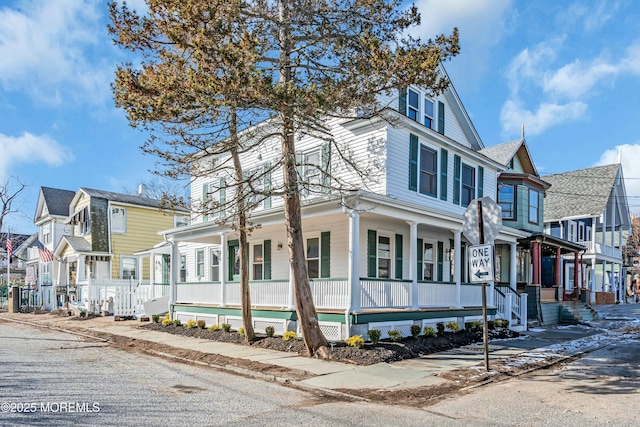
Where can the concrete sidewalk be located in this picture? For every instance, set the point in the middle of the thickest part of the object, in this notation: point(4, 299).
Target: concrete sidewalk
point(411, 373)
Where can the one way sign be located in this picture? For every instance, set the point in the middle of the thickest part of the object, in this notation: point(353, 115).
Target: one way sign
point(481, 263)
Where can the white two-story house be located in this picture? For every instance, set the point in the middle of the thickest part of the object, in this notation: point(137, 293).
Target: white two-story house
point(386, 252)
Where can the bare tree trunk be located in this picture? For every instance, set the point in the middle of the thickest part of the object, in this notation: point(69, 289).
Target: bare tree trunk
point(245, 290)
point(314, 340)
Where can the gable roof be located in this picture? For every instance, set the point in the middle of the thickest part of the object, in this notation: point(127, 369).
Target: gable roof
point(503, 153)
point(16, 241)
point(132, 199)
point(55, 200)
point(579, 193)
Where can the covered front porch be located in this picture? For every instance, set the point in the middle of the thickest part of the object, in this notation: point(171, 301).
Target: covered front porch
point(364, 254)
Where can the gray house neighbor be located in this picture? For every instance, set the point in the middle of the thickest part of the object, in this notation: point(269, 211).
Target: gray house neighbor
point(590, 207)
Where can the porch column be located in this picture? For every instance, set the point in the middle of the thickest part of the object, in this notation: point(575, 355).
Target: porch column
point(576, 272)
point(413, 263)
point(513, 266)
point(613, 224)
point(173, 276)
point(354, 260)
point(535, 253)
point(592, 286)
point(224, 265)
point(139, 271)
point(82, 268)
point(457, 268)
point(558, 273)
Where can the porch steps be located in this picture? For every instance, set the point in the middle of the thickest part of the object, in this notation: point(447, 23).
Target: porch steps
point(576, 312)
point(550, 313)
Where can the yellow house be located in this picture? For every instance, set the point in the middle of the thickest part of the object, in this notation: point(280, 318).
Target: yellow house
point(105, 231)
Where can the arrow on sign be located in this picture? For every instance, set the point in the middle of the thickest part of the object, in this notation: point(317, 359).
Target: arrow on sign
point(480, 274)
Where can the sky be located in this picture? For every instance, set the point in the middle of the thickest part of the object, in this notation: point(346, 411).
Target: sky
point(569, 71)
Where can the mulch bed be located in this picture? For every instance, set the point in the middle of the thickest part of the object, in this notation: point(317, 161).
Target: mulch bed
point(384, 351)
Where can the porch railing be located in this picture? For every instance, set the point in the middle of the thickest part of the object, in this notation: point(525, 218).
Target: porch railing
point(382, 293)
point(511, 305)
point(599, 248)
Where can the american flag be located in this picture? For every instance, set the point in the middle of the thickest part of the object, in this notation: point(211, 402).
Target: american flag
point(45, 254)
point(9, 246)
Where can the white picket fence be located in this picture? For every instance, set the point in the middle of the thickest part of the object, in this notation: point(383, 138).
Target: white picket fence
point(122, 298)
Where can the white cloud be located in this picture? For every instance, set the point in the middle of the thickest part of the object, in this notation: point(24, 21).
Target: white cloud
point(589, 16)
point(559, 94)
point(46, 48)
point(627, 155)
point(29, 148)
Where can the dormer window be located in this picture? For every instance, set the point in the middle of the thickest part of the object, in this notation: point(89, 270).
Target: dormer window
point(422, 109)
point(428, 113)
point(413, 106)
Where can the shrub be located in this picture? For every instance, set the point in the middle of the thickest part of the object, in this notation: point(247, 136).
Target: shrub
point(355, 341)
point(155, 318)
point(225, 327)
point(429, 331)
point(166, 322)
point(191, 324)
point(202, 324)
point(269, 330)
point(177, 322)
point(374, 335)
point(415, 330)
point(395, 335)
point(491, 325)
point(289, 336)
point(501, 323)
point(214, 328)
point(453, 326)
point(475, 326)
point(241, 331)
point(440, 328)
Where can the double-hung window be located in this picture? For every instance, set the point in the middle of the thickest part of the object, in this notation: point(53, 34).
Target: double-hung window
point(428, 171)
point(46, 233)
point(427, 262)
point(313, 257)
point(215, 264)
point(533, 206)
point(468, 190)
point(384, 257)
point(428, 113)
point(506, 199)
point(200, 263)
point(258, 262)
point(128, 267)
point(413, 105)
point(118, 220)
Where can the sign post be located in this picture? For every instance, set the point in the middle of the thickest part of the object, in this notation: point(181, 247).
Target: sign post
point(482, 223)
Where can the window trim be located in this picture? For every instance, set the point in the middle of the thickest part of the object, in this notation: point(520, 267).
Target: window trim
point(536, 207)
point(115, 230)
point(135, 268)
point(413, 109)
point(463, 186)
point(306, 253)
point(214, 253)
point(199, 270)
point(255, 263)
point(385, 235)
point(433, 173)
point(512, 202)
point(433, 262)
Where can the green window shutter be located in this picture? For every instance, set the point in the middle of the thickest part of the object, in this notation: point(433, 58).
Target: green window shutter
point(440, 258)
point(267, 259)
point(457, 169)
point(402, 102)
point(398, 256)
point(372, 260)
point(325, 254)
point(444, 170)
point(440, 117)
point(413, 162)
point(205, 195)
point(223, 197)
point(232, 244)
point(480, 181)
point(420, 255)
point(326, 168)
point(267, 185)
